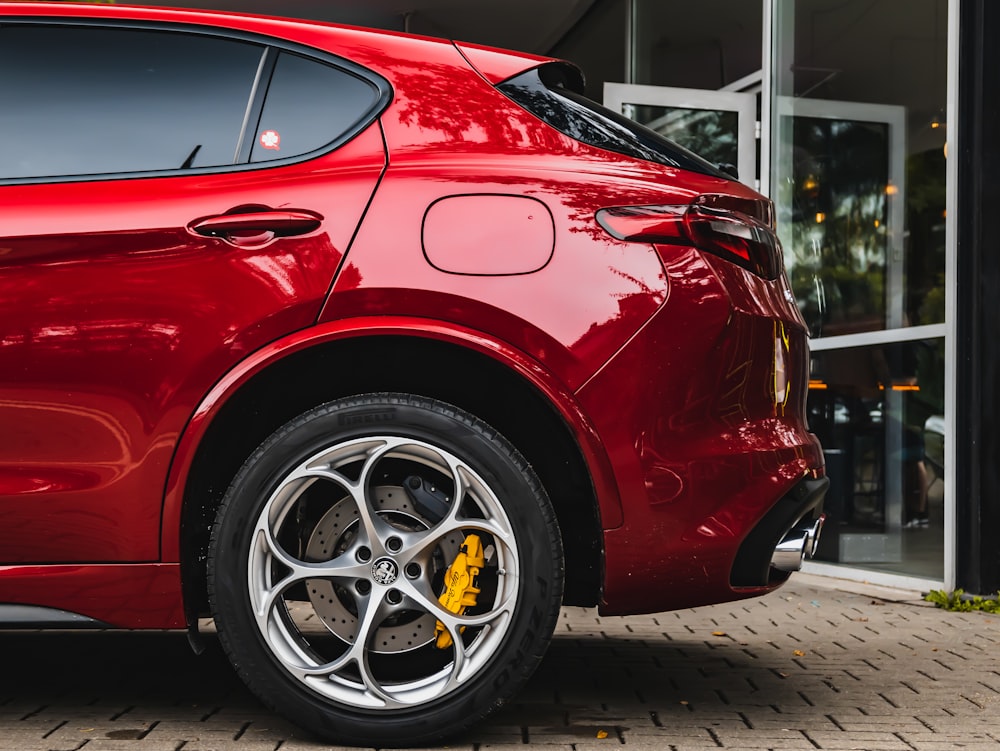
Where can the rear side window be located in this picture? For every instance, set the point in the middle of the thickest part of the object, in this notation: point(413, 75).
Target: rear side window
point(90, 101)
point(309, 105)
point(547, 92)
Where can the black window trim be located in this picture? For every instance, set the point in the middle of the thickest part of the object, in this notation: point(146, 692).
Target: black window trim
point(271, 47)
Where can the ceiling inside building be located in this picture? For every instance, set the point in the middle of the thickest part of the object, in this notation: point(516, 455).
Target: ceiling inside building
point(527, 25)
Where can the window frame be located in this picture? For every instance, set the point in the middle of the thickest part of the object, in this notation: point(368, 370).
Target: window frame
point(272, 47)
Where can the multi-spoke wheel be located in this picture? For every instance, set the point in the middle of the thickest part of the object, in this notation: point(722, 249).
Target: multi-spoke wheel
point(385, 569)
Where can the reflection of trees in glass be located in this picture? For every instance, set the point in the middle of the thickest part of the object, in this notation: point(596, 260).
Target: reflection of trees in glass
point(711, 134)
point(925, 264)
point(925, 249)
point(837, 258)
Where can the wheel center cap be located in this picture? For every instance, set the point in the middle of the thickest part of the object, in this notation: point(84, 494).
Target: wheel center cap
point(385, 571)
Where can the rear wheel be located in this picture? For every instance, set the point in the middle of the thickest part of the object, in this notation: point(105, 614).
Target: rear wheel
point(385, 569)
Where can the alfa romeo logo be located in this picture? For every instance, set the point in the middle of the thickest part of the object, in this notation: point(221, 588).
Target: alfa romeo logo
point(385, 571)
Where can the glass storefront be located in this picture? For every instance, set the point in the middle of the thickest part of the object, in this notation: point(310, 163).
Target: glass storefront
point(853, 138)
point(841, 112)
point(858, 133)
point(878, 410)
point(708, 45)
point(705, 59)
point(597, 43)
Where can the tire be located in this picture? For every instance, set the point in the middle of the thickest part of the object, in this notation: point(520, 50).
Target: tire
point(328, 557)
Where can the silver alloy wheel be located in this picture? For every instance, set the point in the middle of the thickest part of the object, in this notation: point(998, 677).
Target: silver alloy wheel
point(384, 566)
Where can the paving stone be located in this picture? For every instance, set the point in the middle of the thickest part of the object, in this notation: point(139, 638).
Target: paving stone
point(227, 745)
point(807, 666)
point(106, 744)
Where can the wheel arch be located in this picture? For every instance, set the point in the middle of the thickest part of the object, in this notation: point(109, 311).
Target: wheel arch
point(449, 365)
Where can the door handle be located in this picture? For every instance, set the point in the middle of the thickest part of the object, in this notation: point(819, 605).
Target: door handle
point(257, 227)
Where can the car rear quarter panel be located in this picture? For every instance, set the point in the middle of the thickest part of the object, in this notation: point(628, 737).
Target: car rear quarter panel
point(449, 133)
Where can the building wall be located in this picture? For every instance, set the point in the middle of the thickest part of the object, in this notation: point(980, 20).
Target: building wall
point(978, 369)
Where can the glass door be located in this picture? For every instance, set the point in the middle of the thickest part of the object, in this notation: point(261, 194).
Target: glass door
point(840, 193)
point(719, 126)
point(856, 117)
point(839, 203)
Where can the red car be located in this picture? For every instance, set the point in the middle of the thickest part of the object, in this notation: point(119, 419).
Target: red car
point(377, 350)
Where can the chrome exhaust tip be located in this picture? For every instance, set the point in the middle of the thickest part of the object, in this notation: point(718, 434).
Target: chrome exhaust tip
point(814, 532)
point(797, 545)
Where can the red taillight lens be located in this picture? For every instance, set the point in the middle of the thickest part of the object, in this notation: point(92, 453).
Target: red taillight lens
point(733, 235)
point(736, 237)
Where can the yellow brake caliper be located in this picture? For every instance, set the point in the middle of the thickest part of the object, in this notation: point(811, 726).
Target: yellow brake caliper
point(460, 588)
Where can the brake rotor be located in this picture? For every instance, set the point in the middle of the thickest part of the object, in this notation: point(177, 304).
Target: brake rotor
point(334, 533)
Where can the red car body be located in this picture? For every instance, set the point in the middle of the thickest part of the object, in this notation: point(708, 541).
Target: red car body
point(656, 388)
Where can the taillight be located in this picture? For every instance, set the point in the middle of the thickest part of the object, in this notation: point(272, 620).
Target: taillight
point(730, 234)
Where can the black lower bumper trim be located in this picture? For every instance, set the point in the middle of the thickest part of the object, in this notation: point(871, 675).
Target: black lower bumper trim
point(752, 566)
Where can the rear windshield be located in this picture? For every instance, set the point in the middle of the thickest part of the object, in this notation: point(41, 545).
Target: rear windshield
point(546, 92)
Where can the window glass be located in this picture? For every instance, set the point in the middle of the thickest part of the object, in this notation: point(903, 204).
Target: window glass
point(597, 44)
point(702, 45)
point(879, 412)
point(308, 106)
point(859, 160)
point(83, 101)
point(839, 254)
point(859, 182)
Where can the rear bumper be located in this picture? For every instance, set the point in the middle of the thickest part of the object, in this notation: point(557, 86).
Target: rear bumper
point(702, 448)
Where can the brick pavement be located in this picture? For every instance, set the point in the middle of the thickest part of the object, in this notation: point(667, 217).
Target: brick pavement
point(808, 667)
